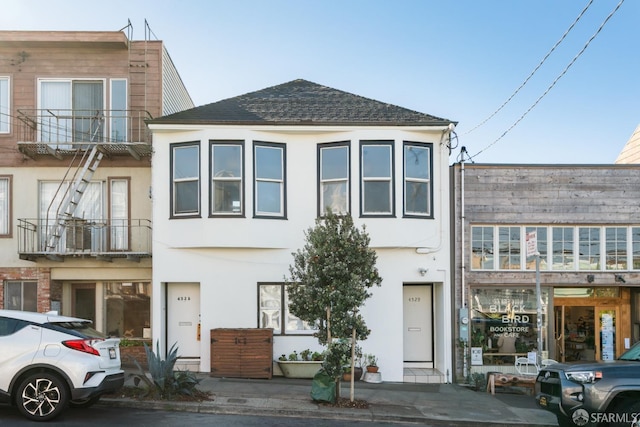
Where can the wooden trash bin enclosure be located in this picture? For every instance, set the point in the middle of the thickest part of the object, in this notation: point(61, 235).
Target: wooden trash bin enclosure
point(242, 353)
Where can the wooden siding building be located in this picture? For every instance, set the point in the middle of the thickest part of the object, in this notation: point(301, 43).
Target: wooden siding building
point(587, 227)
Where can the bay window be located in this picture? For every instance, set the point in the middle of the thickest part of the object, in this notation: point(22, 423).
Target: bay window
point(269, 185)
point(418, 184)
point(185, 179)
point(376, 174)
point(334, 178)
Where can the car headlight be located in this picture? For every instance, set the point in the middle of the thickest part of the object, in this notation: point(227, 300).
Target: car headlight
point(583, 377)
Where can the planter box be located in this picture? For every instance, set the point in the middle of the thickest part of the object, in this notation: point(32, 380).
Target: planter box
point(299, 368)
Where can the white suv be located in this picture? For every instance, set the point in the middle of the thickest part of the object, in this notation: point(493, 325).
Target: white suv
point(48, 362)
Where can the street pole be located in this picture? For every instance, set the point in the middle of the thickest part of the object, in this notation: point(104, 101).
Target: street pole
point(538, 310)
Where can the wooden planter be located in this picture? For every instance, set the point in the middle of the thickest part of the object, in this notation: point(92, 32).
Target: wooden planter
point(299, 368)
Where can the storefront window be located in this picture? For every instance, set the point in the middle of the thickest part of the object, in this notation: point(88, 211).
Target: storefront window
point(128, 309)
point(504, 322)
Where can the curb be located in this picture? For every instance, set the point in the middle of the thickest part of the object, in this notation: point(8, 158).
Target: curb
point(380, 413)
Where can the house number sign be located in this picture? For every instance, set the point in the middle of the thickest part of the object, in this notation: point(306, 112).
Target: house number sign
point(184, 298)
point(414, 299)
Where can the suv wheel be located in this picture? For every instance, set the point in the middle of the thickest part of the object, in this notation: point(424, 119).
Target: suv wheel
point(629, 414)
point(41, 396)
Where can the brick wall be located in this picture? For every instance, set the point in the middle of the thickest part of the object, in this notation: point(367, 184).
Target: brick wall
point(39, 274)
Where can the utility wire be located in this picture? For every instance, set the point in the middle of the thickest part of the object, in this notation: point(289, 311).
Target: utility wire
point(555, 81)
point(534, 70)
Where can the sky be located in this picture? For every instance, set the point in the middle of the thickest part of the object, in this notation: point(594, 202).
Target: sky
point(456, 59)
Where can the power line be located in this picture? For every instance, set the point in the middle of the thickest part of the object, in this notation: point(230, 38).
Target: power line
point(534, 70)
point(555, 81)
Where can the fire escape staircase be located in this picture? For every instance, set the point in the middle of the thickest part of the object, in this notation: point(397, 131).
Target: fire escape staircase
point(73, 195)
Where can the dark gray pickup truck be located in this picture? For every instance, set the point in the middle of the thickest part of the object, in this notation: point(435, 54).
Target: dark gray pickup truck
point(593, 393)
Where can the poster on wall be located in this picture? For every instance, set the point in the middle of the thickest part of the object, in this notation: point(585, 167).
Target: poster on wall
point(476, 356)
point(607, 337)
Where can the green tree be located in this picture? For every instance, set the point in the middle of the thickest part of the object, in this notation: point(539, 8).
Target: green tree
point(330, 280)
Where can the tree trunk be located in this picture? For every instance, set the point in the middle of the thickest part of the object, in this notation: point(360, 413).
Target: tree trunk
point(353, 363)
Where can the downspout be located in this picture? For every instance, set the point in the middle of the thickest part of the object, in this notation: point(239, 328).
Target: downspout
point(463, 261)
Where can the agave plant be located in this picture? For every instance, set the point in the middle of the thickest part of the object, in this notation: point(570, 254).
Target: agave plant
point(163, 380)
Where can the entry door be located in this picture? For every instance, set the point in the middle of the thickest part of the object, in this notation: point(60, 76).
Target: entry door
point(418, 323)
point(84, 302)
point(183, 318)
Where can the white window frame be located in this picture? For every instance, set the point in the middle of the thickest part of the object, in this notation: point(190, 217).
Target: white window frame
point(625, 259)
point(367, 178)
point(274, 309)
point(334, 191)
point(222, 177)
point(426, 180)
point(5, 205)
point(118, 117)
point(185, 179)
point(5, 105)
point(279, 181)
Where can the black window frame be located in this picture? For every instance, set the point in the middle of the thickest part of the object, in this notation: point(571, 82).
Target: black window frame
point(392, 191)
point(173, 214)
point(320, 148)
point(283, 148)
point(227, 214)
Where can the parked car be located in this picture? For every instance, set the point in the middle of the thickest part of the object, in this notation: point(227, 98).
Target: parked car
point(48, 362)
point(593, 393)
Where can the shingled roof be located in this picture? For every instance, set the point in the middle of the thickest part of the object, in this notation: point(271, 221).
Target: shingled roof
point(300, 102)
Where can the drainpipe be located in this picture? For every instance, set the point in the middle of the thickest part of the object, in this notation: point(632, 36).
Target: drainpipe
point(463, 262)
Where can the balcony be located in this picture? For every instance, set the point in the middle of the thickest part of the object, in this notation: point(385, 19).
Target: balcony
point(61, 132)
point(85, 238)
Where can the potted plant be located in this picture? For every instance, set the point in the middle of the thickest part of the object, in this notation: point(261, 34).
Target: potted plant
point(372, 362)
point(300, 365)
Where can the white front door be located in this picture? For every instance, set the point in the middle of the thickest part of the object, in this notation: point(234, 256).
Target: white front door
point(418, 323)
point(183, 318)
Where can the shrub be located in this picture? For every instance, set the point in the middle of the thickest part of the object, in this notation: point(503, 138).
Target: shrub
point(165, 382)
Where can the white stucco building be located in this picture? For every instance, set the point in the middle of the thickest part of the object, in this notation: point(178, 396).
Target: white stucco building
point(235, 185)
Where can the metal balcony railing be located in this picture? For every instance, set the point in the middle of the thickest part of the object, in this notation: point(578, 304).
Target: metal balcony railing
point(63, 131)
point(98, 238)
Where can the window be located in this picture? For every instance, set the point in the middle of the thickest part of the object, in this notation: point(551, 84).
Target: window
point(334, 178)
point(128, 308)
point(78, 235)
point(118, 111)
point(562, 245)
point(575, 248)
point(5, 206)
point(635, 245)
point(274, 313)
point(616, 248)
point(4, 105)
point(71, 110)
point(119, 215)
point(417, 179)
point(269, 172)
point(227, 174)
point(376, 165)
point(185, 179)
point(482, 248)
point(19, 295)
point(509, 247)
point(589, 248)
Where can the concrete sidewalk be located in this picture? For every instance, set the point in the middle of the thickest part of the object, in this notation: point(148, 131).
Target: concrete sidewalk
point(433, 404)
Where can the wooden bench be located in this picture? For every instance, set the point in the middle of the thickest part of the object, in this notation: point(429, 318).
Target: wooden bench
point(498, 379)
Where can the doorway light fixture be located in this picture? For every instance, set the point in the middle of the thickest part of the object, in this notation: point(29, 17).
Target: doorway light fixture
point(590, 278)
point(423, 271)
point(620, 278)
